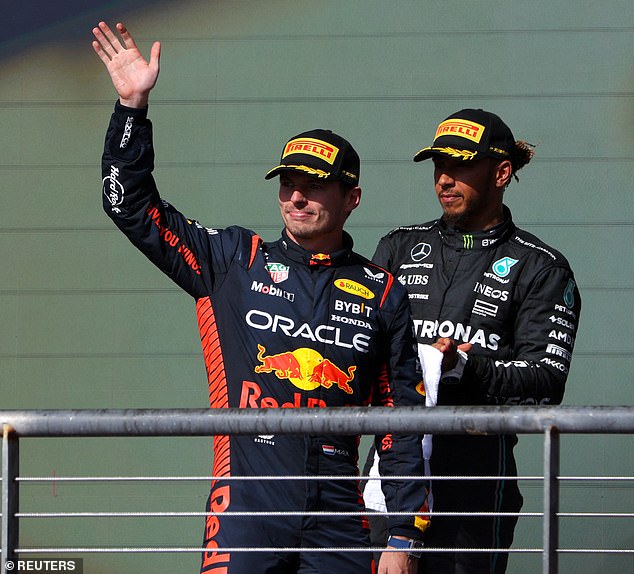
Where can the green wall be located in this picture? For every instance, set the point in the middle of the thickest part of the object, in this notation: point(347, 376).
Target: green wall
point(88, 323)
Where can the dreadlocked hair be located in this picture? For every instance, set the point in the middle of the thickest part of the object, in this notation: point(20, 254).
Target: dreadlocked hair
point(524, 152)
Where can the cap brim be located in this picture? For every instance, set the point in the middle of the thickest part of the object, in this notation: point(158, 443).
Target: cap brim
point(453, 153)
point(424, 154)
point(300, 168)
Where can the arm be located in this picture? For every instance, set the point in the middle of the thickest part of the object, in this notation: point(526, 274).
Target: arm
point(175, 244)
point(544, 329)
point(400, 384)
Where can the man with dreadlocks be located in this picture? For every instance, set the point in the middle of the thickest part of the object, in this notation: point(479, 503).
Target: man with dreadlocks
point(497, 309)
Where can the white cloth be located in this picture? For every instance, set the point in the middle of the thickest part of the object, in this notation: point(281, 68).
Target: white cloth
point(431, 362)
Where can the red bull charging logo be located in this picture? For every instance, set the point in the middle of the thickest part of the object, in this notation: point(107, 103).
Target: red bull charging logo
point(306, 369)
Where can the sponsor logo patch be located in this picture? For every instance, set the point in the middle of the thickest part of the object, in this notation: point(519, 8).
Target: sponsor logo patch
point(569, 294)
point(306, 369)
point(354, 288)
point(502, 267)
point(420, 252)
point(376, 276)
point(278, 272)
point(314, 147)
point(113, 190)
point(485, 309)
point(462, 128)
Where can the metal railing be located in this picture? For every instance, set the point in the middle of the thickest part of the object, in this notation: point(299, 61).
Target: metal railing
point(549, 421)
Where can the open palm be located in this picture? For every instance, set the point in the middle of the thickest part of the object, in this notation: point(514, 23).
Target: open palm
point(132, 76)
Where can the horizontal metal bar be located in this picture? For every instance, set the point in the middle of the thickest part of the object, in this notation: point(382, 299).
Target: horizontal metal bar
point(153, 549)
point(595, 551)
point(595, 514)
point(256, 478)
point(343, 421)
point(598, 478)
point(70, 479)
point(324, 477)
point(167, 550)
point(255, 513)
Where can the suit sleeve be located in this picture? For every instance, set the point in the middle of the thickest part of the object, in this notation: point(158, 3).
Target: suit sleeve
point(545, 327)
point(401, 454)
point(180, 247)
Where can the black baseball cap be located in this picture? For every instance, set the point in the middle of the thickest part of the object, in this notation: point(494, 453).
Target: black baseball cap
point(322, 154)
point(471, 135)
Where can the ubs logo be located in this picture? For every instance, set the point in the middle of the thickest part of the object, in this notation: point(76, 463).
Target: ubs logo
point(420, 251)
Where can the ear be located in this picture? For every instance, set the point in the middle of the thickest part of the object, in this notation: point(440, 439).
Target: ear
point(503, 173)
point(354, 198)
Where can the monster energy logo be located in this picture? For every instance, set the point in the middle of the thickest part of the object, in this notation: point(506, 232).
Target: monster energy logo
point(467, 241)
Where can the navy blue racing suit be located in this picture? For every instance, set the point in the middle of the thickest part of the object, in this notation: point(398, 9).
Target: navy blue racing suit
point(281, 327)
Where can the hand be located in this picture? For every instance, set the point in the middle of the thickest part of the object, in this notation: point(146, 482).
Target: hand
point(133, 77)
point(397, 563)
point(449, 348)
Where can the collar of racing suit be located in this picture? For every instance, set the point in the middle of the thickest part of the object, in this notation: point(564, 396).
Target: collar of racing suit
point(457, 239)
point(311, 258)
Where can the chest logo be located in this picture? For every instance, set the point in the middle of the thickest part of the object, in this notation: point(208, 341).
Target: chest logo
point(277, 271)
point(420, 252)
point(354, 288)
point(502, 267)
point(306, 369)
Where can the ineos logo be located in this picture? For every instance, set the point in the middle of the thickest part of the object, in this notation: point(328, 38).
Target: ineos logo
point(420, 251)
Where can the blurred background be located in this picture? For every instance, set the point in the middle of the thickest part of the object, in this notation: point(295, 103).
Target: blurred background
point(89, 323)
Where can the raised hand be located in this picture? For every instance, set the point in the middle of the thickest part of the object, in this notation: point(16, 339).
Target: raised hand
point(132, 76)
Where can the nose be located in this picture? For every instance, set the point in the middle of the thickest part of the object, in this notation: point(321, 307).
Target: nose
point(443, 179)
point(297, 196)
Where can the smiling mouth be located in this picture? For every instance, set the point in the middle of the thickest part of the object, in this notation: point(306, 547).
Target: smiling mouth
point(294, 214)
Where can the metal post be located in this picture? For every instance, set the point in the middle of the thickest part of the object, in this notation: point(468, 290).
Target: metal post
point(10, 471)
point(551, 500)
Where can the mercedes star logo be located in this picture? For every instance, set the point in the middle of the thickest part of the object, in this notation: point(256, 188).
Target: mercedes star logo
point(420, 251)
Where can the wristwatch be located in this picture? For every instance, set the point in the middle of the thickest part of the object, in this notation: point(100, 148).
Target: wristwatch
point(414, 546)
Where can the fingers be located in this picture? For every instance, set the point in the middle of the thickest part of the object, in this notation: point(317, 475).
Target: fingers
point(465, 347)
point(445, 345)
point(127, 40)
point(109, 45)
point(102, 45)
point(114, 42)
point(155, 56)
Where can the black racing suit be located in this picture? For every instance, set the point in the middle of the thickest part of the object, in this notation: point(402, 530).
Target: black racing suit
point(280, 327)
point(515, 300)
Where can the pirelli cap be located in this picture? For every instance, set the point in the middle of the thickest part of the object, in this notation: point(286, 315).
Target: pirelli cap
point(470, 135)
point(322, 154)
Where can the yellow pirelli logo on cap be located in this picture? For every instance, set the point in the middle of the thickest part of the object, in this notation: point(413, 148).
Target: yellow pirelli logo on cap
point(310, 146)
point(460, 128)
